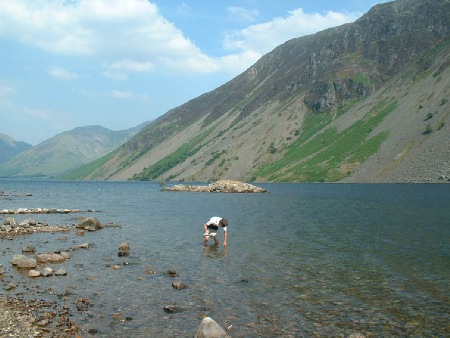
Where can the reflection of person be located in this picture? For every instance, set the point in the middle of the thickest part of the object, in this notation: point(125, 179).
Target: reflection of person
point(211, 228)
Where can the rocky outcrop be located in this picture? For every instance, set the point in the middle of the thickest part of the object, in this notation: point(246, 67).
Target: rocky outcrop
point(229, 186)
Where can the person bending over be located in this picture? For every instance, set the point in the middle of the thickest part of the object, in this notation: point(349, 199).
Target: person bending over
point(212, 226)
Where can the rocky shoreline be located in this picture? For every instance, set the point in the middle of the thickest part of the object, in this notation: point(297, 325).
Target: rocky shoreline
point(21, 319)
point(37, 318)
point(22, 315)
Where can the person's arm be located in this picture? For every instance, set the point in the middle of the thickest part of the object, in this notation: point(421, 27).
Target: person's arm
point(225, 237)
point(205, 227)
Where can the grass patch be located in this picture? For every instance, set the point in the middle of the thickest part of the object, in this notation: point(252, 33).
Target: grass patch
point(85, 170)
point(320, 159)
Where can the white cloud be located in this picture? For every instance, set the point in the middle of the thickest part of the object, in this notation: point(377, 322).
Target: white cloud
point(132, 36)
point(261, 38)
point(246, 46)
point(127, 95)
point(242, 14)
point(62, 74)
point(132, 66)
point(6, 90)
point(184, 10)
point(39, 113)
point(106, 29)
point(115, 75)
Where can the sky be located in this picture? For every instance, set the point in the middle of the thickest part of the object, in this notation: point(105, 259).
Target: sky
point(119, 63)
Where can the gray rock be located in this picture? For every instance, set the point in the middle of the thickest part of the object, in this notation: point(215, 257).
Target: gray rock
point(209, 328)
point(179, 285)
point(47, 272)
point(61, 272)
point(173, 309)
point(10, 287)
point(124, 247)
point(34, 273)
point(89, 224)
point(50, 257)
point(29, 248)
point(22, 261)
point(11, 221)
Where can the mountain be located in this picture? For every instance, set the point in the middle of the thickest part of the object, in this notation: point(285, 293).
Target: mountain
point(66, 151)
point(10, 147)
point(362, 102)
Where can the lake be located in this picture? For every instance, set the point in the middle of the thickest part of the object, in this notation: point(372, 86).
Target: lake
point(304, 260)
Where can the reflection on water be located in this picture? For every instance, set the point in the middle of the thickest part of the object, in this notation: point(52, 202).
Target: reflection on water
point(215, 251)
point(302, 260)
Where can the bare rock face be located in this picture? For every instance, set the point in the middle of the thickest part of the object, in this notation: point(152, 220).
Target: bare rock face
point(209, 328)
point(229, 186)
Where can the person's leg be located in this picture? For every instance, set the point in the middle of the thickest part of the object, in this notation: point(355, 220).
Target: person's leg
point(205, 242)
point(216, 240)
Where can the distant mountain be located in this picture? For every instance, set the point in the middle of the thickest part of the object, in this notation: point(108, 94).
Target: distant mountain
point(66, 151)
point(10, 147)
point(363, 102)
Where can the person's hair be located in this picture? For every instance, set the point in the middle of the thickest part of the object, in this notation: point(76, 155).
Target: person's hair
point(223, 222)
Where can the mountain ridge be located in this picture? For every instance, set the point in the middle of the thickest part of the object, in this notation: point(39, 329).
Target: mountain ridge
point(337, 105)
point(66, 151)
point(9, 147)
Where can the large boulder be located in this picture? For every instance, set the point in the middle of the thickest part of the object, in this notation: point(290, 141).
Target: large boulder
point(209, 328)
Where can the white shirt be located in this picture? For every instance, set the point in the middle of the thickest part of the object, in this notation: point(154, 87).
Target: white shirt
point(215, 221)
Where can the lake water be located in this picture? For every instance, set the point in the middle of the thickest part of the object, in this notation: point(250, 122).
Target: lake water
point(305, 260)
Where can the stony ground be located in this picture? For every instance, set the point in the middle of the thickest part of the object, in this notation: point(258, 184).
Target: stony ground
point(17, 319)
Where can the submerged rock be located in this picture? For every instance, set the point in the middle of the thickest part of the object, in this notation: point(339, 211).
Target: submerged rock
point(29, 248)
point(172, 309)
point(179, 285)
point(61, 272)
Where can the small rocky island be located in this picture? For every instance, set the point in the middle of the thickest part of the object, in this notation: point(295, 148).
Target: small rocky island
point(229, 186)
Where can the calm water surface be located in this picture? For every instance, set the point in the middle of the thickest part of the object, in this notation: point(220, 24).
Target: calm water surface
point(305, 260)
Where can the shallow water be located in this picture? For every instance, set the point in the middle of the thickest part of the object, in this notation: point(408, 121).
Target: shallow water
point(302, 260)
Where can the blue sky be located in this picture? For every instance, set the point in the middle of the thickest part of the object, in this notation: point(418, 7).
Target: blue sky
point(118, 63)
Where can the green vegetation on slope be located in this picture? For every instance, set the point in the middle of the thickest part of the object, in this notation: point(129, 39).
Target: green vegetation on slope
point(329, 156)
point(85, 170)
point(173, 159)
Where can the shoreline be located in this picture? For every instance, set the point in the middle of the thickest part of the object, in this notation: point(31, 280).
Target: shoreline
point(19, 319)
